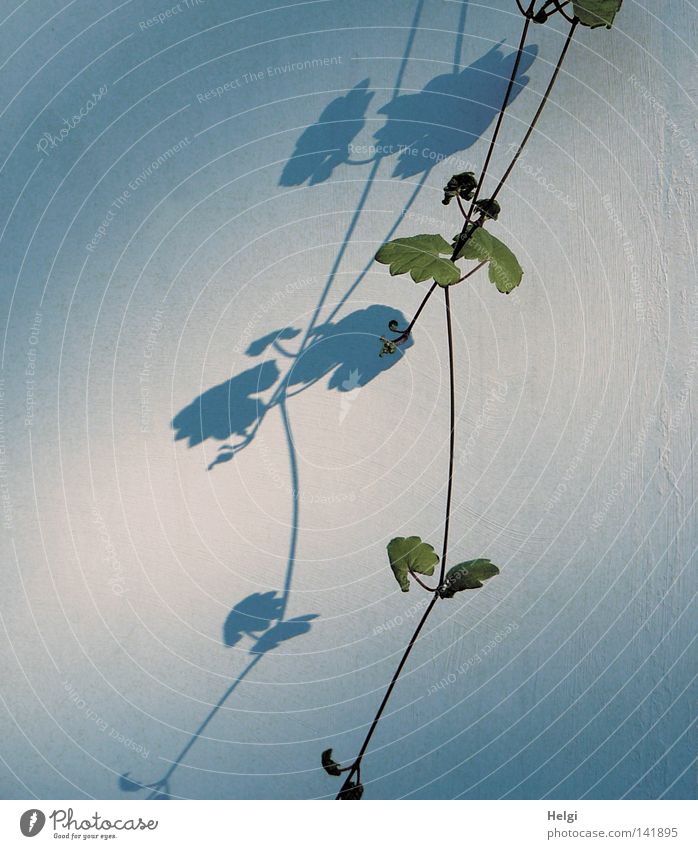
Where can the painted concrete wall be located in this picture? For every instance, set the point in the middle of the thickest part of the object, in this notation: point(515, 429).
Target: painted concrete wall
point(231, 174)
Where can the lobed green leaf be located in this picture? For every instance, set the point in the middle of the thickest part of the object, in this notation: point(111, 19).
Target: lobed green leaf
point(410, 554)
point(420, 256)
point(504, 269)
point(596, 13)
point(467, 576)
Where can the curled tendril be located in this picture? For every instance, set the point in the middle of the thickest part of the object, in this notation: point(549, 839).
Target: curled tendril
point(390, 346)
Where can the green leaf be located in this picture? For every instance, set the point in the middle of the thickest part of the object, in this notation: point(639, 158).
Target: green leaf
point(420, 255)
point(410, 553)
point(467, 576)
point(504, 269)
point(596, 13)
point(329, 764)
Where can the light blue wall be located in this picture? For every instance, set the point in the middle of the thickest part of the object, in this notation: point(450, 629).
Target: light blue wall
point(573, 673)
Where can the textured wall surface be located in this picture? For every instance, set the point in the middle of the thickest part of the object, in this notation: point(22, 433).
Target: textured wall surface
point(207, 613)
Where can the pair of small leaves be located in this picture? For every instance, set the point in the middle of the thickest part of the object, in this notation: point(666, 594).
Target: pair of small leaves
point(467, 576)
point(410, 554)
point(503, 269)
point(596, 13)
point(421, 257)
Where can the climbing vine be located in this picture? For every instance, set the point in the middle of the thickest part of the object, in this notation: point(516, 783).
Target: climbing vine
point(432, 257)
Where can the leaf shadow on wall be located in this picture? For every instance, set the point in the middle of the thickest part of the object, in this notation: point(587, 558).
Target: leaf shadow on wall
point(325, 145)
point(447, 116)
point(345, 350)
point(450, 113)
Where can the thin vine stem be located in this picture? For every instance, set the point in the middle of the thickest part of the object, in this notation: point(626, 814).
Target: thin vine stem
point(559, 7)
point(518, 153)
point(472, 271)
point(421, 307)
point(406, 332)
point(541, 107)
point(452, 439)
point(422, 584)
point(468, 215)
point(355, 767)
point(531, 13)
point(500, 116)
point(354, 770)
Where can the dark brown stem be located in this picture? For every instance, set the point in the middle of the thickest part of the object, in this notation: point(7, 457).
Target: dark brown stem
point(559, 8)
point(355, 769)
point(420, 308)
point(404, 335)
point(500, 117)
point(452, 440)
point(356, 766)
point(472, 271)
point(539, 111)
point(468, 215)
point(461, 241)
point(422, 584)
point(527, 13)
